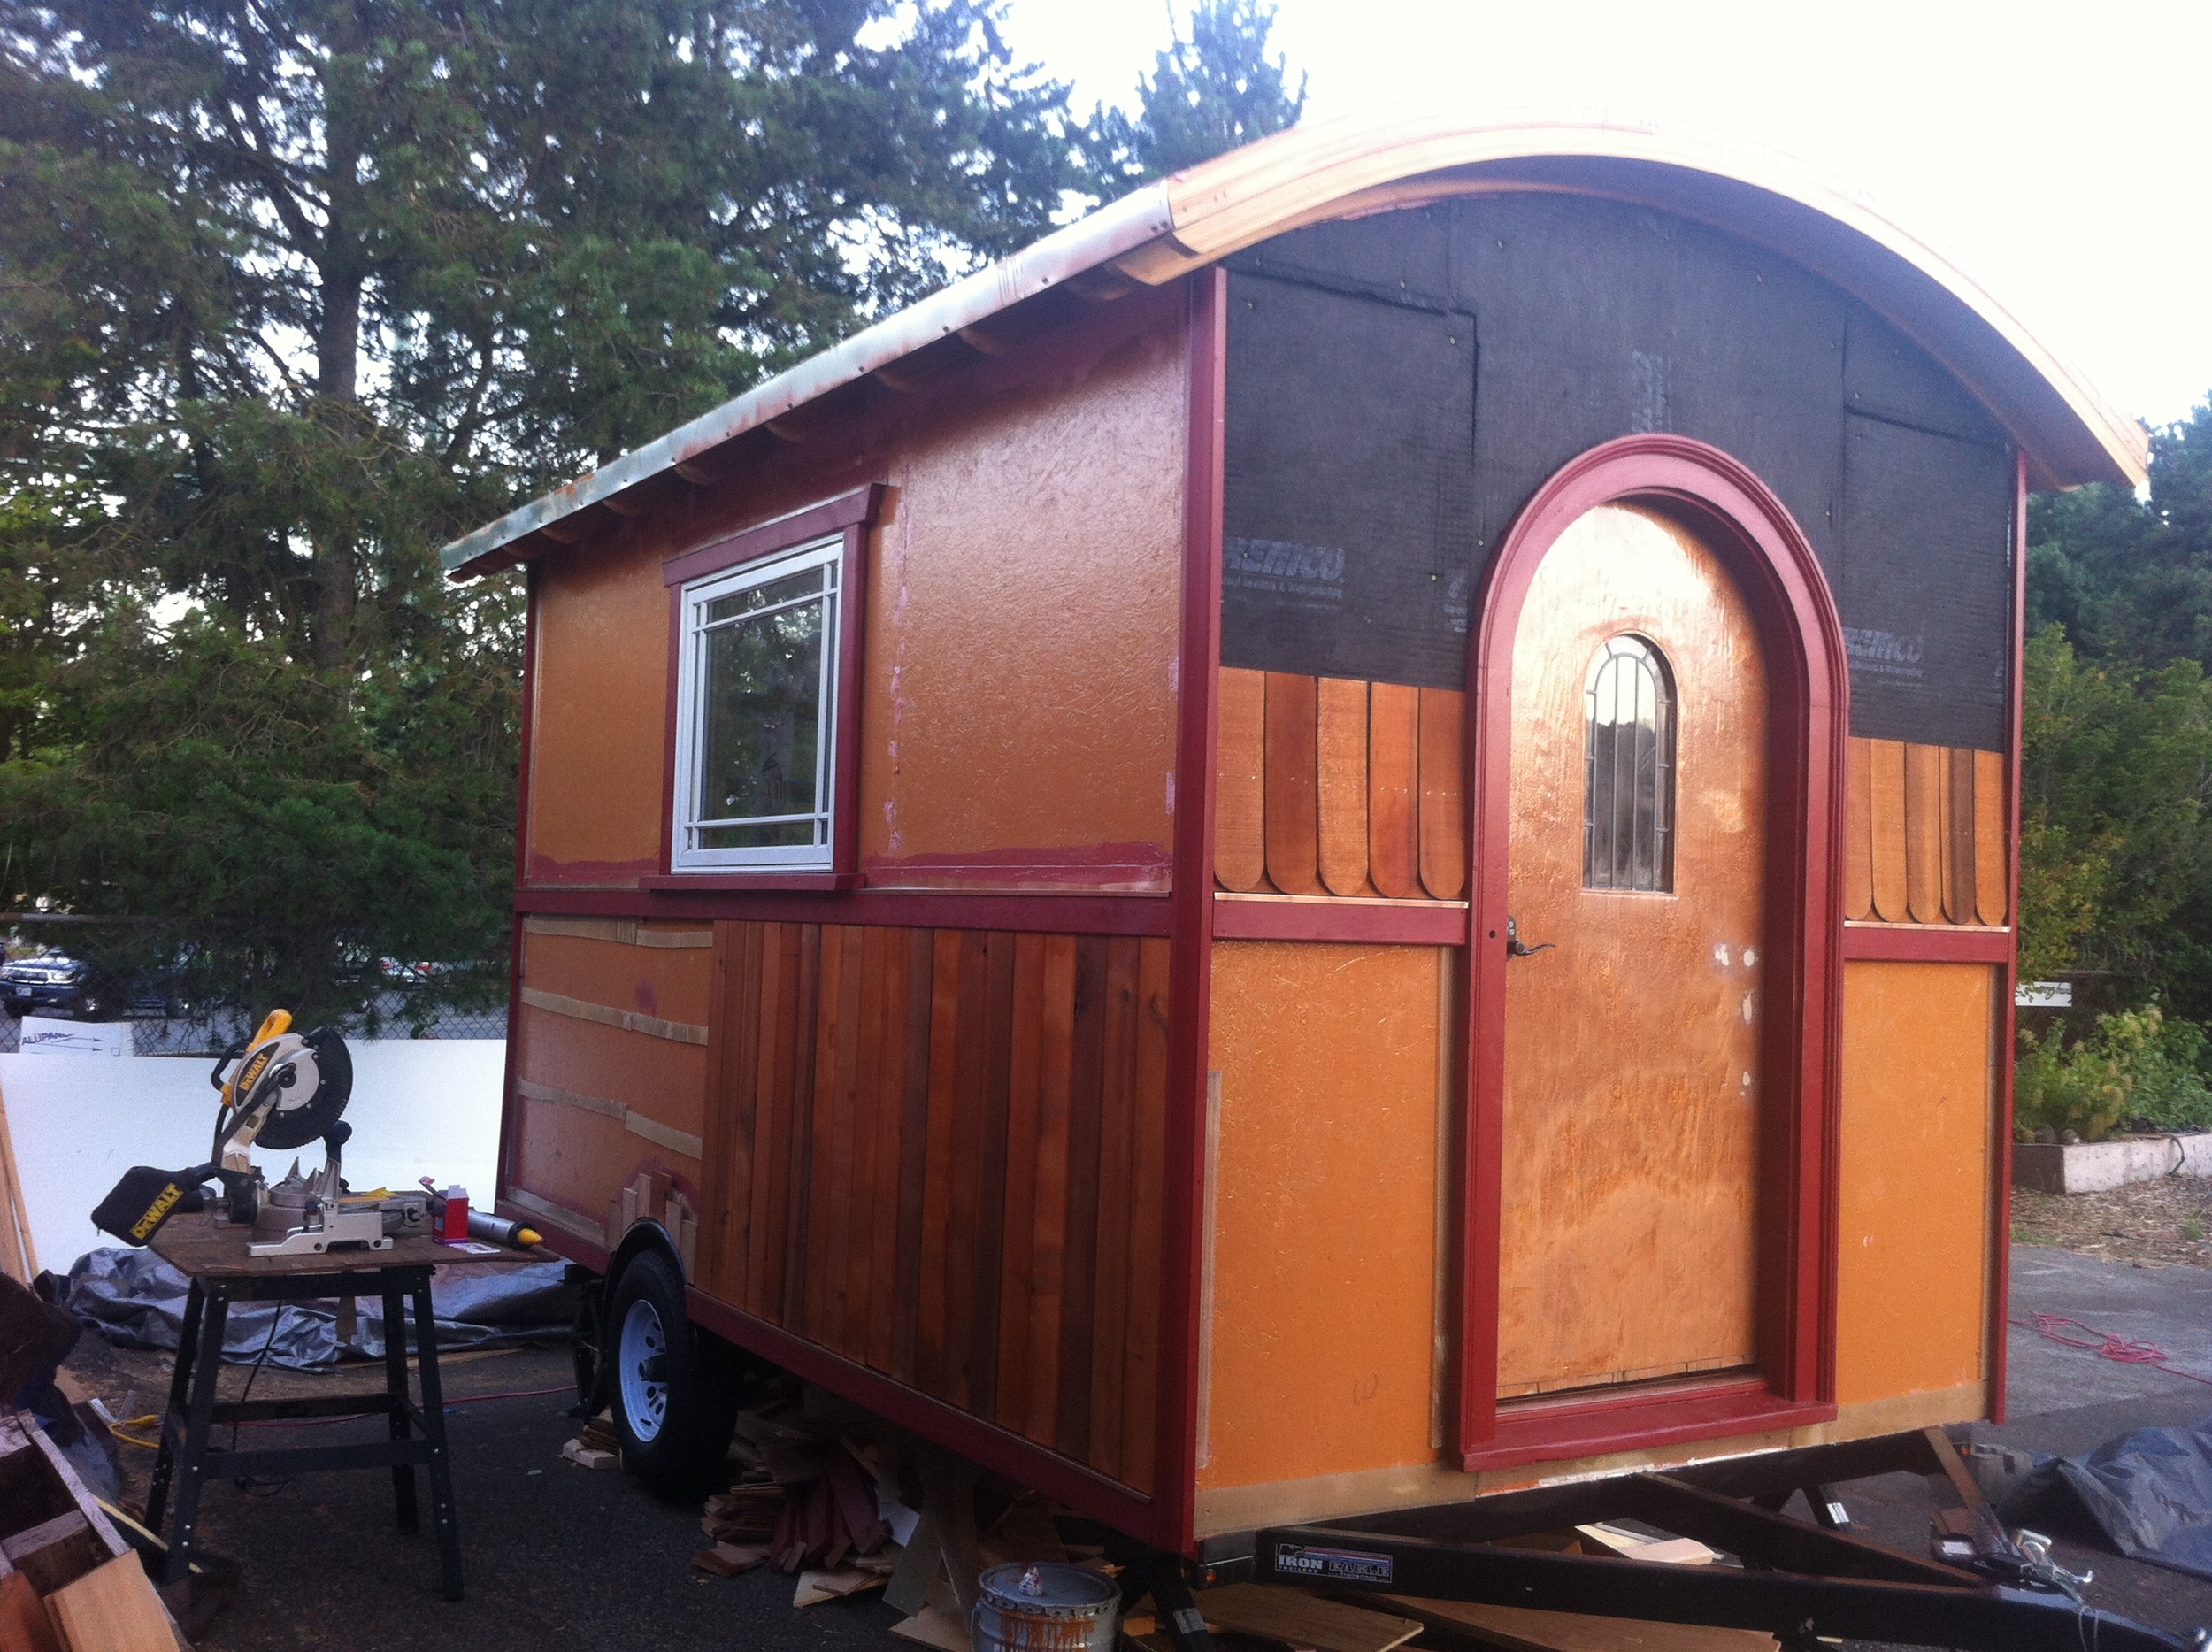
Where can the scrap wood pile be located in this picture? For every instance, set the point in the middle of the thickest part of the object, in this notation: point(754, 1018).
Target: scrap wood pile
point(839, 1497)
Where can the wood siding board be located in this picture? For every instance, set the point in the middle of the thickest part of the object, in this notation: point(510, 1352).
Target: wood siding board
point(799, 1172)
point(874, 1136)
point(990, 1237)
point(1340, 783)
point(1079, 1258)
point(1958, 881)
point(942, 1154)
point(1885, 803)
point(921, 1002)
point(1294, 829)
point(1110, 1291)
point(1240, 806)
point(1858, 862)
point(1394, 782)
point(964, 1208)
point(1009, 1389)
point(1924, 832)
point(1148, 1216)
point(1048, 1231)
point(1990, 860)
point(890, 1082)
point(808, 1313)
point(848, 1145)
point(779, 1023)
point(1443, 793)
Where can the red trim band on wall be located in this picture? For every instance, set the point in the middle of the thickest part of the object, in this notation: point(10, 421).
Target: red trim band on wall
point(1934, 943)
point(1370, 923)
point(1736, 514)
point(1046, 914)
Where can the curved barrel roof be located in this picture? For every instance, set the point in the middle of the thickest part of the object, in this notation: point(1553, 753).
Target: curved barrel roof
point(1354, 165)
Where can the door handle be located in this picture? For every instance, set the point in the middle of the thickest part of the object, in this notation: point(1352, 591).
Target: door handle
point(1515, 947)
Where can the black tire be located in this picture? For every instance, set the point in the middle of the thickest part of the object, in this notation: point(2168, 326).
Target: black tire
point(659, 1367)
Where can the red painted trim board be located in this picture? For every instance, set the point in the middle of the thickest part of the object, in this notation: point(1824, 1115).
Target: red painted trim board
point(1190, 940)
point(1809, 689)
point(1048, 914)
point(1540, 1431)
point(527, 714)
point(1932, 944)
point(1406, 923)
point(2008, 970)
point(857, 508)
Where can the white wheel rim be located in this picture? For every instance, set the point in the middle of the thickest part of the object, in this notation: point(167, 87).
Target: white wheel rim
point(644, 1403)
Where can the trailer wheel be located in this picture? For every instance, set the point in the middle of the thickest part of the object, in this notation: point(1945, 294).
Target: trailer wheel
point(673, 1410)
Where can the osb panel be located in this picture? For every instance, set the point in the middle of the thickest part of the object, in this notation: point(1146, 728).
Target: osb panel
point(673, 984)
point(1913, 1282)
point(1019, 716)
point(598, 727)
point(1325, 1220)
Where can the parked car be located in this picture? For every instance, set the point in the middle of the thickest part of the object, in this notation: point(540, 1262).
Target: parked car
point(56, 984)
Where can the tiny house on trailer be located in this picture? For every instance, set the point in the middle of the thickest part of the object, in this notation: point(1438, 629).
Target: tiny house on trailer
point(1343, 839)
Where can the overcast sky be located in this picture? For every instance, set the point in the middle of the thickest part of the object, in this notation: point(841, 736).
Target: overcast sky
point(2060, 154)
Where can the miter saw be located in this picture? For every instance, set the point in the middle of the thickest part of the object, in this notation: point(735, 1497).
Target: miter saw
point(280, 1089)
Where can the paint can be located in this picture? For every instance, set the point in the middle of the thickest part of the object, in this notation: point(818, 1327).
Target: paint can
point(1040, 1606)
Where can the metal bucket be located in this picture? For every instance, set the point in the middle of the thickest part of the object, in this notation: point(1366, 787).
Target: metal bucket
point(1039, 1606)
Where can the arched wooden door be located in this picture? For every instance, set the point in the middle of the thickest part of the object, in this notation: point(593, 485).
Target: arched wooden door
point(1628, 1241)
point(1660, 702)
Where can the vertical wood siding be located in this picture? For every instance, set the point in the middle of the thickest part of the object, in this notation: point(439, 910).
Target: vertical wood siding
point(940, 1152)
point(1329, 786)
point(1927, 833)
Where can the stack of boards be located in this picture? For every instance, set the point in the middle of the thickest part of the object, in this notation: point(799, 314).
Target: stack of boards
point(68, 1582)
point(1278, 1617)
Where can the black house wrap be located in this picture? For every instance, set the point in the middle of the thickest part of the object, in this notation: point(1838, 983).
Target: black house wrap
point(1398, 384)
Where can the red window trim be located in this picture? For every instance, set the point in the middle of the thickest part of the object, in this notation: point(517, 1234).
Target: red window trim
point(851, 514)
point(1809, 718)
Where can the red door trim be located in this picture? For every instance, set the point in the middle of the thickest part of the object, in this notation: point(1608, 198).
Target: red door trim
point(2006, 1030)
point(1191, 929)
point(1735, 513)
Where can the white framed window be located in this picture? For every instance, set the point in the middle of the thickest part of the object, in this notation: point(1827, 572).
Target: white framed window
point(757, 713)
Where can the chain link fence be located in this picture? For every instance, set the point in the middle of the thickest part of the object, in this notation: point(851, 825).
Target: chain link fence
point(181, 994)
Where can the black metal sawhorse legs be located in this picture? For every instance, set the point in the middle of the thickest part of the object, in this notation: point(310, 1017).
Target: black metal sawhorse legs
point(186, 1460)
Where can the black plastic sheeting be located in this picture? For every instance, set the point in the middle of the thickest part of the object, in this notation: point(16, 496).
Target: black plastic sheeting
point(135, 1299)
point(2149, 1492)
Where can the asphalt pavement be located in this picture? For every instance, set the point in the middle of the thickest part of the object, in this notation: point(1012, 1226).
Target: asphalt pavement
point(562, 1557)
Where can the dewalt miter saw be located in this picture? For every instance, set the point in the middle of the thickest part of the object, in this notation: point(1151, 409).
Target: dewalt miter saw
point(280, 1089)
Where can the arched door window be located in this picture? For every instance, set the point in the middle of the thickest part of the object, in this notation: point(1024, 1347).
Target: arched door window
point(1628, 804)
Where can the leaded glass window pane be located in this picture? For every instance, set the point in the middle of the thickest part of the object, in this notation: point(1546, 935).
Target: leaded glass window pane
point(1628, 803)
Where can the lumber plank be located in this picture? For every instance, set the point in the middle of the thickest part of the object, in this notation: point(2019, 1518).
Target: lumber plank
point(1110, 1296)
point(1018, 1211)
point(24, 1624)
point(921, 1010)
point(1240, 787)
point(1924, 832)
point(1340, 783)
point(964, 1208)
point(937, 1179)
point(1048, 1245)
point(1858, 858)
point(1520, 1629)
point(1991, 833)
point(1078, 1270)
point(1293, 826)
point(1885, 808)
point(111, 1608)
point(990, 1237)
point(1393, 782)
point(1958, 836)
point(1147, 1211)
point(1304, 1620)
point(1443, 793)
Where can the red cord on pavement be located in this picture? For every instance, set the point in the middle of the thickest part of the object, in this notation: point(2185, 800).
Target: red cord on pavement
point(2109, 1346)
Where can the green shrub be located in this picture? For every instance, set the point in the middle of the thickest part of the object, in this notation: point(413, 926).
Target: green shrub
point(2138, 1064)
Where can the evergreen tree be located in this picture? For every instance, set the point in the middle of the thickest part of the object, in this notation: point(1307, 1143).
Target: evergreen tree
point(1211, 90)
point(293, 292)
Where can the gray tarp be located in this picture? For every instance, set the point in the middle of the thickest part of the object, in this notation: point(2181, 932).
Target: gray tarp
point(135, 1298)
point(2149, 1492)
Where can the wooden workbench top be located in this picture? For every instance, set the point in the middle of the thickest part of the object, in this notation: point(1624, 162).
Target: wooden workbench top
point(201, 1247)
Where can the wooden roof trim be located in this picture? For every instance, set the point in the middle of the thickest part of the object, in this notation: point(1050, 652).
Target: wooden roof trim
point(1353, 167)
